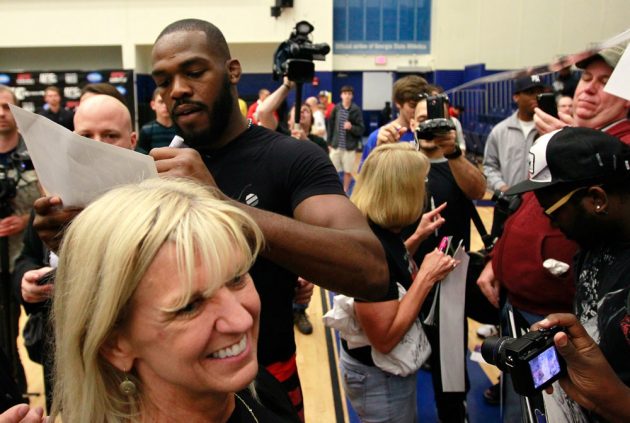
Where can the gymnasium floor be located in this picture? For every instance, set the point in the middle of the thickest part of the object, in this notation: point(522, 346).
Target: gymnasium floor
point(324, 401)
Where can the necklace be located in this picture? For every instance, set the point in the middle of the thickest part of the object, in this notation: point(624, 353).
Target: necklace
point(247, 407)
point(249, 123)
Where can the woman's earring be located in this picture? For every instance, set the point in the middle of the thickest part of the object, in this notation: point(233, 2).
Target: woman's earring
point(127, 387)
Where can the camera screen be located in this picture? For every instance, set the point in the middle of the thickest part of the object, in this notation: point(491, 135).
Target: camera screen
point(544, 366)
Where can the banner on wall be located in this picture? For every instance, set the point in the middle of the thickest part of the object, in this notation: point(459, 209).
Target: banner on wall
point(29, 85)
point(381, 48)
point(376, 27)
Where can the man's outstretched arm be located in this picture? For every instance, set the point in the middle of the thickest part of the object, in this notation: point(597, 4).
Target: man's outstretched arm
point(328, 243)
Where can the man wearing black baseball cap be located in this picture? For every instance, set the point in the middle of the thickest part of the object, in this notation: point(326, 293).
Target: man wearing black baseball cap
point(581, 178)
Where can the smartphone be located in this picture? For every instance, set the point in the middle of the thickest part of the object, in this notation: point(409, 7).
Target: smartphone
point(435, 106)
point(547, 103)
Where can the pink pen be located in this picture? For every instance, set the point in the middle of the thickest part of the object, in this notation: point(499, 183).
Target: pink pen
point(443, 244)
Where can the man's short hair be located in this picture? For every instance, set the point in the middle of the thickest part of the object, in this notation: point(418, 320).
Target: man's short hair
point(156, 92)
point(214, 36)
point(408, 88)
point(52, 88)
point(347, 88)
point(105, 89)
point(5, 89)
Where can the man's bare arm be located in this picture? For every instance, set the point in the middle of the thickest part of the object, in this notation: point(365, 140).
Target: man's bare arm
point(328, 243)
point(467, 176)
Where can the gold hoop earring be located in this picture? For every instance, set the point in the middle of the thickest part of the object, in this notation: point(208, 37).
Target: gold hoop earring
point(127, 387)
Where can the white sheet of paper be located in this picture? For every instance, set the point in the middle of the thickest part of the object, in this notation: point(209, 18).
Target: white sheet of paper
point(451, 321)
point(76, 168)
point(619, 81)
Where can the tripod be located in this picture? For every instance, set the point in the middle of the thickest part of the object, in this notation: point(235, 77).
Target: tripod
point(9, 315)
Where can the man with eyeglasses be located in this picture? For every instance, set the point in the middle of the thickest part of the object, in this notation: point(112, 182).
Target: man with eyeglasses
point(581, 178)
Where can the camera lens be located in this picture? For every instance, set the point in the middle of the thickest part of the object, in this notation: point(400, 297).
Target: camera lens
point(491, 349)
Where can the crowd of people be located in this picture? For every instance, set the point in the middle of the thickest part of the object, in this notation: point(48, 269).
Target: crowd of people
point(175, 299)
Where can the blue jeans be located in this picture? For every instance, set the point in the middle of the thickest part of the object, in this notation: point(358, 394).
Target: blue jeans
point(378, 396)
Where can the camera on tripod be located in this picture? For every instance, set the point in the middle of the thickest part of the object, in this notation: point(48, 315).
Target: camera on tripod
point(437, 122)
point(532, 359)
point(294, 57)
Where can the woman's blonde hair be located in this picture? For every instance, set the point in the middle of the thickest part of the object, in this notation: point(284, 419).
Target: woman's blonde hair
point(105, 253)
point(390, 190)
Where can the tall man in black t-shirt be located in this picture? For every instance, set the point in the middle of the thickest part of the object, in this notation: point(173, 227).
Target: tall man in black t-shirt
point(453, 180)
point(290, 188)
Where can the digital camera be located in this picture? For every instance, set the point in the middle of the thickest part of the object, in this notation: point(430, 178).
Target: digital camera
point(532, 359)
point(437, 121)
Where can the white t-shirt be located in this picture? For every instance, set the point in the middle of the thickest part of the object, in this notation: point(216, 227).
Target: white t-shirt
point(319, 124)
point(527, 126)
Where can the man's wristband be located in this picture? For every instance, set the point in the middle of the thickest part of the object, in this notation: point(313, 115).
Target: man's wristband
point(455, 154)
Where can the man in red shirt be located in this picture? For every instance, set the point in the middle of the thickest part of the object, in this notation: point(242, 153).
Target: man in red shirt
point(324, 99)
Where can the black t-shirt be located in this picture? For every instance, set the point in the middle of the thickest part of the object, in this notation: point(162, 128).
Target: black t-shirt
point(63, 117)
point(319, 141)
point(603, 286)
point(273, 172)
point(401, 270)
point(273, 405)
point(442, 187)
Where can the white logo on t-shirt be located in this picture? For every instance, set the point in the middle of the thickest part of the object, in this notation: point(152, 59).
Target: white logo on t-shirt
point(251, 200)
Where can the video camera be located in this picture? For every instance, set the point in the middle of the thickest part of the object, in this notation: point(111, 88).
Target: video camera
point(19, 162)
point(437, 121)
point(294, 57)
point(532, 359)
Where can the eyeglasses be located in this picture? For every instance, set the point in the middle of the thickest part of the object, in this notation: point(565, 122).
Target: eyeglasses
point(565, 199)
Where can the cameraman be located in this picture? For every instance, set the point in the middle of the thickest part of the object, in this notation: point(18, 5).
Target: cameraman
point(590, 381)
point(18, 191)
point(12, 150)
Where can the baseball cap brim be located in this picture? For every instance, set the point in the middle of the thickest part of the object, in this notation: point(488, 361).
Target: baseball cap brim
point(528, 185)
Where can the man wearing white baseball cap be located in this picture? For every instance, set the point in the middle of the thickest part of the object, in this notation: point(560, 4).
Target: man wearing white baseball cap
point(520, 277)
point(581, 178)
